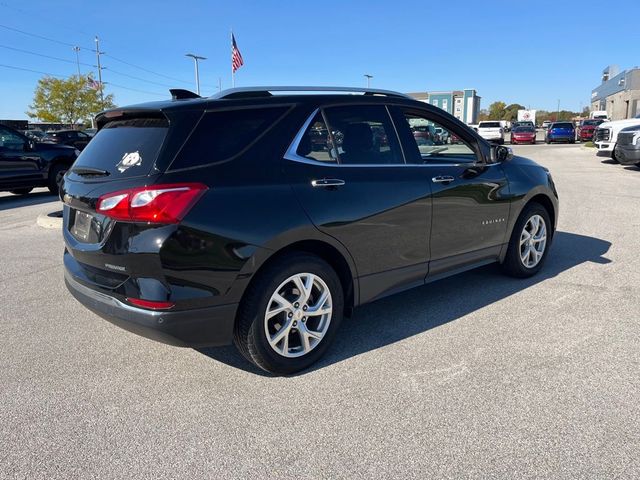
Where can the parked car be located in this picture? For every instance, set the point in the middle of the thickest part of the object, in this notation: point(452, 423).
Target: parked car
point(586, 128)
point(73, 138)
point(627, 150)
point(36, 135)
point(202, 222)
point(90, 131)
point(560, 132)
point(26, 164)
point(546, 124)
point(606, 135)
point(523, 135)
point(425, 134)
point(492, 131)
point(442, 135)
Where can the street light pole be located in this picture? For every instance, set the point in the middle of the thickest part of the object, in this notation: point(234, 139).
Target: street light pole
point(195, 60)
point(99, 66)
point(558, 114)
point(77, 50)
point(368, 77)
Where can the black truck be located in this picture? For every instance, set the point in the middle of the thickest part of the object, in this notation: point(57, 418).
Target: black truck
point(26, 164)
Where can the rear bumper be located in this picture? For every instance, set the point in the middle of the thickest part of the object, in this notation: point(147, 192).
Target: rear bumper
point(202, 327)
point(561, 138)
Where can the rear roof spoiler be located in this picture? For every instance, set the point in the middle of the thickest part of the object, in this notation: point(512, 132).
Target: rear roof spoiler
point(182, 94)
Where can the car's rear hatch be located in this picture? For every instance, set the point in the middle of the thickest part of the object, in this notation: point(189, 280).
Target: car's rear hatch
point(562, 130)
point(131, 150)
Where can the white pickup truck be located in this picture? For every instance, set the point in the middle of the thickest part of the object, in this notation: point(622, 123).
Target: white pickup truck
point(492, 131)
point(606, 135)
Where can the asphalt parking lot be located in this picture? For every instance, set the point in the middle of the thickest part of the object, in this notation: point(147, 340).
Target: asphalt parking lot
point(475, 376)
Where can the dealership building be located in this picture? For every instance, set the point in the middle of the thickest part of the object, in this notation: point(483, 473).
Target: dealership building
point(462, 104)
point(618, 94)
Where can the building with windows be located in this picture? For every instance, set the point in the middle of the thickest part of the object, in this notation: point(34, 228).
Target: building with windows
point(618, 94)
point(462, 104)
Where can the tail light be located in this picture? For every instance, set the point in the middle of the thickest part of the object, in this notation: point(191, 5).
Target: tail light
point(166, 203)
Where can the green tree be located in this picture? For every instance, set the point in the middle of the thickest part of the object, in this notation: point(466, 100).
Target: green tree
point(511, 112)
point(483, 115)
point(67, 101)
point(496, 110)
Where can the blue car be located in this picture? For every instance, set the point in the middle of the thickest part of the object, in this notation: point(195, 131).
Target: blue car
point(560, 132)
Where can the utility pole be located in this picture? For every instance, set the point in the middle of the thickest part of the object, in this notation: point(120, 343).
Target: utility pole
point(558, 114)
point(219, 84)
point(195, 60)
point(77, 50)
point(98, 53)
point(368, 77)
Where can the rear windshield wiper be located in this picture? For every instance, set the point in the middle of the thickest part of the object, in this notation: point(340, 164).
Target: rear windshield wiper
point(88, 171)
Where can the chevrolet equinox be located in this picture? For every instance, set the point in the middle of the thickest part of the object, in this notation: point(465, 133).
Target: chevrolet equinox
point(261, 216)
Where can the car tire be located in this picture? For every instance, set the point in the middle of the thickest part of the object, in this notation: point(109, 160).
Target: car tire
point(55, 177)
point(501, 141)
point(256, 334)
point(547, 141)
point(21, 191)
point(614, 157)
point(519, 260)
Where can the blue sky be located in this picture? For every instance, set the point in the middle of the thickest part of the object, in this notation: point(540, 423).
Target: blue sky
point(530, 52)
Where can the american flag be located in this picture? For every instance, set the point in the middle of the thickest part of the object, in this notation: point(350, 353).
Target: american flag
point(236, 56)
point(93, 84)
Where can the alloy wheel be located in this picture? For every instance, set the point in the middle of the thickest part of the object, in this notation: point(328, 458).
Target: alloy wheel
point(533, 241)
point(298, 315)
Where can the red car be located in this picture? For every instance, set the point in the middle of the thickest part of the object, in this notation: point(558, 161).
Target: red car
point(523, 135)
point(586, 128)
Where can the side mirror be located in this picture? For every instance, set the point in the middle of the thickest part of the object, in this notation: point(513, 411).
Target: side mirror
point(500, 153)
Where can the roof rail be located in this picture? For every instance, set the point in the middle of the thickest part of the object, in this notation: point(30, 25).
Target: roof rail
point(251, 92)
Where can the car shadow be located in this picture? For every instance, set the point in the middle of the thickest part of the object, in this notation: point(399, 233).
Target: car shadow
point(415, 311)
point(10, 200)
point(609, 161)
point(632, 168)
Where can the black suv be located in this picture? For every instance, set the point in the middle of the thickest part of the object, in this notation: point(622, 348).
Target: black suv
point(261, 216)
point(73, 138)
point(26, 163)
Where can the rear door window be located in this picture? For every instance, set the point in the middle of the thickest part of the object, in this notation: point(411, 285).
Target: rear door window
point(363, 135)
point(125, 148)
point(223, 134)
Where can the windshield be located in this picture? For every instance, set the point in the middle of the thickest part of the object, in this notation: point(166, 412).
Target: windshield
point(489, 125)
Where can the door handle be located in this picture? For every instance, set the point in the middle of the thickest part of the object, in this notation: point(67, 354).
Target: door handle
point(327, 182)
point(442, 179)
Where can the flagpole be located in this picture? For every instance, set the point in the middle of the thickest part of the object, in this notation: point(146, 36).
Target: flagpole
point(233, 74)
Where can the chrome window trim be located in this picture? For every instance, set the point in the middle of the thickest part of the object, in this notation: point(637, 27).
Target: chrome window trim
point(292, 155)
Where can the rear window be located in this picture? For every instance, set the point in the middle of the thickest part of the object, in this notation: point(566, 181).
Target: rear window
point(524, 130)
point(563, 125)
point(222, 135)
point(489, 125)
point(125, 148)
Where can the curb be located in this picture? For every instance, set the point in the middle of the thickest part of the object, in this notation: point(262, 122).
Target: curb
point(50, 220)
